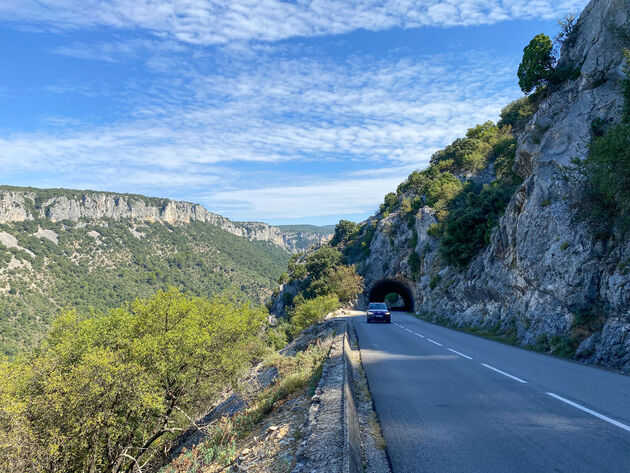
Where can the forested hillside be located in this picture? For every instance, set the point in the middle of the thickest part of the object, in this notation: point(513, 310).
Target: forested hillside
point(48, 265)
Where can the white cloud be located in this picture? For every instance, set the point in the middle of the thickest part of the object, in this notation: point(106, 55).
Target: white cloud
point(220, 22)
point(197, 132)
point(117, 49)
point(327, 198)
point(297, 109)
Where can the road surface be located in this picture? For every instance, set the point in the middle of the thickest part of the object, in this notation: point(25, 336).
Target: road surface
point(452, 402)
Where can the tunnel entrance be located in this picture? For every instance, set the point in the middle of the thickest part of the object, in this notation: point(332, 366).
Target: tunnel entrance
point(385, 288)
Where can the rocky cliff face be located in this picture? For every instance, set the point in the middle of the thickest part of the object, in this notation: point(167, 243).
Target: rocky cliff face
point(542, 267)
point(17, 204)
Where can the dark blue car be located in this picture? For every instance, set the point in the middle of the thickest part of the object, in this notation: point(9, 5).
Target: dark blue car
point(378, 312)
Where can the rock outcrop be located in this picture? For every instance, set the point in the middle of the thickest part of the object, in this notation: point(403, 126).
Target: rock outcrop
point(542, 267)
point(19, 204)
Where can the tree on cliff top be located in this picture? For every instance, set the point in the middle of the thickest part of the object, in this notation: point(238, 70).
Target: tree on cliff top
point(537, 66)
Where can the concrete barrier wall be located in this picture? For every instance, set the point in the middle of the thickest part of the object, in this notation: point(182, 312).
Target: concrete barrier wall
point(352, 430)
point(332, 439)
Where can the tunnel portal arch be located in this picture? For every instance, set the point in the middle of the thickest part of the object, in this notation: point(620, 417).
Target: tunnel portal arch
point(381, 288)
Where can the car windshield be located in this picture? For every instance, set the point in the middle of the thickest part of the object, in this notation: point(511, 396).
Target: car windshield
point(378, 306)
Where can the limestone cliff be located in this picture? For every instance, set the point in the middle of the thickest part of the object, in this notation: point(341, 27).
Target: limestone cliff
point(19, 204)
point(543, 266)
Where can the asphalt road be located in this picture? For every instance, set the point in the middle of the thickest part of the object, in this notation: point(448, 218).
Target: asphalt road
point(451, 402)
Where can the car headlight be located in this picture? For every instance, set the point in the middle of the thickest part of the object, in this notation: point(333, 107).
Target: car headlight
point(369, 312)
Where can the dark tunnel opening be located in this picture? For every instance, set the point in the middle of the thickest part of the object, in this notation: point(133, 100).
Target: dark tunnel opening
point(382, 288)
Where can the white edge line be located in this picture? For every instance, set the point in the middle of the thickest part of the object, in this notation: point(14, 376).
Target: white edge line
point(504, 373)
point(433, 341)
point(460, 354)
point(596, 414)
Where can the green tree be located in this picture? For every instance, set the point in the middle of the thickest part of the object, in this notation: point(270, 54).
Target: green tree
point(345, 231)
point(342, 281)
point(389, 202)
point(283, 278)
point(441, 191)
point(322, 260)
point(299, 272)
point(536, 68)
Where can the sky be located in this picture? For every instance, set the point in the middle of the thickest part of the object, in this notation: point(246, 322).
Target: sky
point(303, 111)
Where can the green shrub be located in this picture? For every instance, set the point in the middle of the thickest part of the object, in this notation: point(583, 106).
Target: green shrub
point(359, 247)
point(606, 173)
point(283, 278)
point(105, 387)
point(435, 230)
point(563, 346)
point(311, 311)
point(277, 337)
point(440, 192)
point(299, 272)
point(435, 280)
point(390, 202)
point(415, 263)
point(469, 225)
point(568, 31)
point(413, 241)
point(518, 113)
point(466, 154)
point(598, 127)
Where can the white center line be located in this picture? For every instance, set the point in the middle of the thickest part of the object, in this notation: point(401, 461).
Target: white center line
point(504, 373)
point(408, 330)
point(460, 354)
point(419, 334)
point(596, 414)
point(433, 341)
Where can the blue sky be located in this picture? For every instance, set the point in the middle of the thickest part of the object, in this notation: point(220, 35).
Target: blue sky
point(284, 112)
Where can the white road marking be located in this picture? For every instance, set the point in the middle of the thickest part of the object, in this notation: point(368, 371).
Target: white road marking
point(433, 341)
point(408, 330)
point(504, 373)
point(460, 354)
point(419, 334)
point(593, 413)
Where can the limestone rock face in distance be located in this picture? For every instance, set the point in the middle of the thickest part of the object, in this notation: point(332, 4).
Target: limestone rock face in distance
point(18, 204)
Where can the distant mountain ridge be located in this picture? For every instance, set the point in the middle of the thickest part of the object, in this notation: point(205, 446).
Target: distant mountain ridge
point(305, 228)
point(26, 203)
